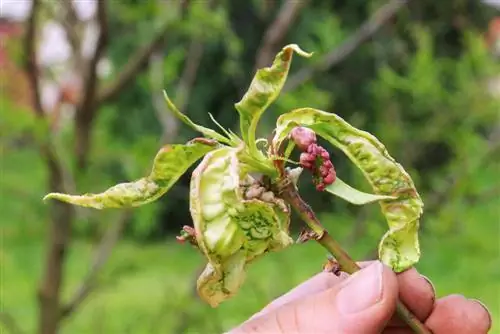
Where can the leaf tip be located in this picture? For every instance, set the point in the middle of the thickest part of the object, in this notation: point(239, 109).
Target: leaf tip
point(299, 51)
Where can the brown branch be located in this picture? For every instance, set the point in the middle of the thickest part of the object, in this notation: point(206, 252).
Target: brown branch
point(31, 61)
point(167, 120)
point(277, 31)
point(10, 323)
point(347, 264)
point(137, 63)
point(90, 87)
point(103, 253)
point(85, 111)
point(189, 74)
point(61, 214)
point(336, 56)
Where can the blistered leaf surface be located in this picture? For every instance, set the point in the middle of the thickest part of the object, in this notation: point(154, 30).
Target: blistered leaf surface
point(352, 195)
point(169, 164)
point(230, 230)
point(264, 89)
point(399, 247)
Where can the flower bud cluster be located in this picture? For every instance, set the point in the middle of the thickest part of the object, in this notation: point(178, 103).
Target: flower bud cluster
point(314, 157)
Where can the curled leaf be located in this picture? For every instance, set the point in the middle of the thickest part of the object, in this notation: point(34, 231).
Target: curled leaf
point(230, 230)
point(399, 247)
point(169, 164)
point(354, 196)
point(264, 89)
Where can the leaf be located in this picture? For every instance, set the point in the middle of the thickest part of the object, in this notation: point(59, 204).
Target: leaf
point(343, 190)
point(399, 247)
point(230, 231)
point(186, 120)
point(264, 89)
point(169, 164)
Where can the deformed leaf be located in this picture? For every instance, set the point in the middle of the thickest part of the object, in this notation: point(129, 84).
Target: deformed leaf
point(399, 247)
point(354, 196)
point(264, 89)
point(169, 164)
point(230, 230)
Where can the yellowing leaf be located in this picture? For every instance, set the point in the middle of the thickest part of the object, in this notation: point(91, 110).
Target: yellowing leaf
point(399, 247)
point(264, 89)
point(169, 164)
point(230, 230)
point(343, 190)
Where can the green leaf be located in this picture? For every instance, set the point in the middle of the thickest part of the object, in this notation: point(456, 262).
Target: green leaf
point(264, 89)
point(186, 120)
point(343, 190)
point(169, 164)
point(230, 230)
point(399, 247)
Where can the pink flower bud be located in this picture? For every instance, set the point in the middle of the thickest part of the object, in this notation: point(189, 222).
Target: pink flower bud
point(307, 157)
point(303, 137)
point(330, 178)
point(320, 186)
point(325, 155)
point(328, 164)
point(324, 171)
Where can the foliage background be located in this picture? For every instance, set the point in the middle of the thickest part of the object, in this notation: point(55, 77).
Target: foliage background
point(419, 85)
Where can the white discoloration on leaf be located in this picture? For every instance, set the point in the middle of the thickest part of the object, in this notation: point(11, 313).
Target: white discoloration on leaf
point(169, 164)
point(399, 247)
point(230, 230)
point(343, 190)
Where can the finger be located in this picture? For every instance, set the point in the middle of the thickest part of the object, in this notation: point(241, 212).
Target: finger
point(363, 303)
point(456, 314)
point(418, 295)
point(320, 282)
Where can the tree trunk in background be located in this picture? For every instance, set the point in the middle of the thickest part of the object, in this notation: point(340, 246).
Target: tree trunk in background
point(62, 215)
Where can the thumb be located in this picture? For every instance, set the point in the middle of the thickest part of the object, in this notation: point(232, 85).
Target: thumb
point(363, 303)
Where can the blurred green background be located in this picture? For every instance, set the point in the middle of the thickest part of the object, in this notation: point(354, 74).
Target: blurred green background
point(426, 82)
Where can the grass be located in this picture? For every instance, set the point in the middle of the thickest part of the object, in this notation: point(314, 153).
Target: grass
point(148, 289)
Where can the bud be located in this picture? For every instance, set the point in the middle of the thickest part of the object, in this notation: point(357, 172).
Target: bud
point(303, 137)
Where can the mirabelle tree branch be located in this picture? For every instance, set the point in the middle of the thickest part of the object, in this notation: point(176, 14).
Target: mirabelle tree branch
point(347, 264)
point(31, 61)
point(102, 254)
point(334, 57)
point(276, 32)
point(137, 63)
point(189, 74)
point(90, 87)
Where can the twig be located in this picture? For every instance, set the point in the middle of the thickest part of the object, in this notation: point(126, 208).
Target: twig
point(137, 62)
point(188, 77)
point(61, 214)
point(168, 122)
point(103, 252)
point(31, 61)
point(277, 31)
point(334, 57)
point(89, 90)
point(85, 111)
point(10, 323)
point(347, 264)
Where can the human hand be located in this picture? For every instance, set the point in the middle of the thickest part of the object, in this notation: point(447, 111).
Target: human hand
point(365, 303)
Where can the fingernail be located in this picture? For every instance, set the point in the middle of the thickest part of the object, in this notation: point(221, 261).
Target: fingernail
point(490, 321)
point(431, 285)
point(362, 290)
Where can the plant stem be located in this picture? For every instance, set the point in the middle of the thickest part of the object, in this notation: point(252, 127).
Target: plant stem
point(347, 264)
